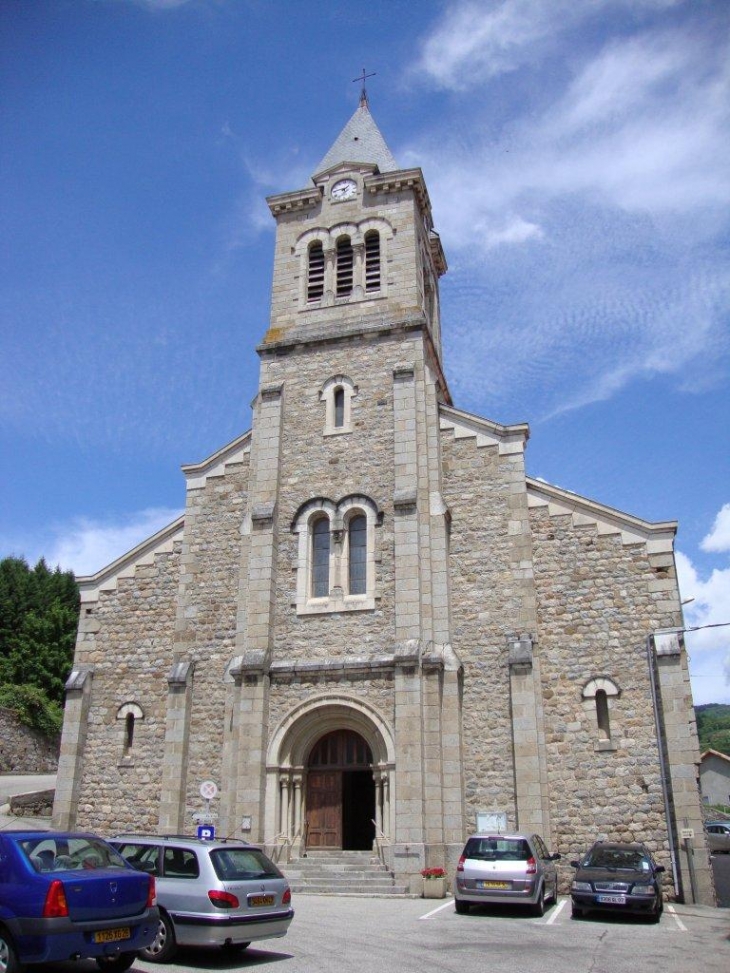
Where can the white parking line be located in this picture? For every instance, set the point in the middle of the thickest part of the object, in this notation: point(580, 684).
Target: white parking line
point(673, 914)
point(437, 909)
point(556, 912)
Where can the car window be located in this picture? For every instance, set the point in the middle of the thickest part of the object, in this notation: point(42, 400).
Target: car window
point(64, 853)
point(141, 855)
point(180, 863)
point(498, 849)
point(238, 864)
point(618, 858)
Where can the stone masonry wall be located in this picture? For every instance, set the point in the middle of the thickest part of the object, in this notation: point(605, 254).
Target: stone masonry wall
point(24, 750)
point(485, 607)
point(595, 610)
point(314, 465)
point(131, 653)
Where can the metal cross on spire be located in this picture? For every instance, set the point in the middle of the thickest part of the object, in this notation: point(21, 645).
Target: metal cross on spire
point(363, 92)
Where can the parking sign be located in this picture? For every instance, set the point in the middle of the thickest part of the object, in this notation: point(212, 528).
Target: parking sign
point(206, 832)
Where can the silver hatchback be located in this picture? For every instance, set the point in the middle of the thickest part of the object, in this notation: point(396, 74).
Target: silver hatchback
point(210, 893)
point(507, 869)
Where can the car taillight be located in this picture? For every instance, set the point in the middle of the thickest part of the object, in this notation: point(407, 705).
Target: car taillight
point(55, 906)
point(224, 900)
point(151, 892)
point(460, 865)
point(531, 866)
point(286, 897)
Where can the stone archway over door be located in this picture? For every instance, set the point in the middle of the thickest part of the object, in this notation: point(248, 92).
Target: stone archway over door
point(340, 798)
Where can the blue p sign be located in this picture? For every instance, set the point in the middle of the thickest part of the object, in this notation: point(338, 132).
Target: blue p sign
point(206, 832)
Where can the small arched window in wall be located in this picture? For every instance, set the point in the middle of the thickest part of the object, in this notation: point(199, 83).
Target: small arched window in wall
point(596, 694)
point(337, 394)
point(129, 714)
point(321, 558)
point(345, 262)
point(372, 260)
point(315, 271)
point(357, 546)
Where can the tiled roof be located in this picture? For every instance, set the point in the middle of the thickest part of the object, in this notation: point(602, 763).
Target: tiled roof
point(360, 141)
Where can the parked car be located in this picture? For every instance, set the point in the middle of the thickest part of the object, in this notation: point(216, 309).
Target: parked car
point(615, 877)
point(505, 868)
point(718, 837)
point(66, 896)
point(210, 893)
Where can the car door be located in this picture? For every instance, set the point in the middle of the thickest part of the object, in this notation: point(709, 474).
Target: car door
point(548, 866)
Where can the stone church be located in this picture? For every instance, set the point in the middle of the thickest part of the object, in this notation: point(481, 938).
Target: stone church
point(371, 626)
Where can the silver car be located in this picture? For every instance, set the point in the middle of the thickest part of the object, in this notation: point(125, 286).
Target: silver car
point(718, 836)
point(210, 893)
point(507, 869)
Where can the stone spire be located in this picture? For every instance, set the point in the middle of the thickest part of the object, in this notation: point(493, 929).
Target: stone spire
point(360, 141)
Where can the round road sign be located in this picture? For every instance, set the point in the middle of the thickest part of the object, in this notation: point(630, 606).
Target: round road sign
point(208, 790)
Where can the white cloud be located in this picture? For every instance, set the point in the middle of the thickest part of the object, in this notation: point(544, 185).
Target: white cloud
point(85, 545)
point(719, 537)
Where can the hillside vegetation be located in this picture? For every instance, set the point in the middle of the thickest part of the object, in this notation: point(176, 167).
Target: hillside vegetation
point(39, 611)
point(713, 727)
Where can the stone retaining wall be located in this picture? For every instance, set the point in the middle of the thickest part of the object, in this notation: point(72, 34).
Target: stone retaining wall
point(24, 750)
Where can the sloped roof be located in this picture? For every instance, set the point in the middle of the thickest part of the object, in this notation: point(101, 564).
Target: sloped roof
point(359, 141)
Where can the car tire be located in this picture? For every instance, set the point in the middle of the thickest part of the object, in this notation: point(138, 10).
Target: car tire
point(8, 957)
point(116, 964)
point(538, 908)
point(576, 912)
point(461, 907)
point(163, 946)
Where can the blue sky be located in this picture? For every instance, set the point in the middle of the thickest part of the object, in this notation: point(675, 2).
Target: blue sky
point(577, 160)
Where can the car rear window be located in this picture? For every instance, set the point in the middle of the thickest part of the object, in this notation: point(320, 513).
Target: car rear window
point(238, 864)
point(498, 849)
point(61, 854)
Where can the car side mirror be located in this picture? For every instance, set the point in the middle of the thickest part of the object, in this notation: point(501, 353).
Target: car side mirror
point(556, 857)
point(660, 868)
point(575, 864)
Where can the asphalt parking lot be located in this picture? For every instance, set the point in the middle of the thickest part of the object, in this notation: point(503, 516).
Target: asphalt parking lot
point(333, 934)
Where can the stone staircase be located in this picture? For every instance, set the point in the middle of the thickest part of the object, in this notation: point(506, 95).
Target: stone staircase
point(341, 873)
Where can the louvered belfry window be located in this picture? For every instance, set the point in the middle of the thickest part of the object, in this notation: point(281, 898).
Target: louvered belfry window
point(315, 272)
point(372, 261)
point(345, 261)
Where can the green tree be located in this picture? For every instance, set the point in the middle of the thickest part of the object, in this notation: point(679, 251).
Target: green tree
point(713, 727)
point(39, 611)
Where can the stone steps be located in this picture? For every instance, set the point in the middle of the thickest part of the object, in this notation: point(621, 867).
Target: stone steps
point(341, 873)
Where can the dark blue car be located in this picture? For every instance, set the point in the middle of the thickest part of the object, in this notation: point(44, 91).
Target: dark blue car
point(71, 896)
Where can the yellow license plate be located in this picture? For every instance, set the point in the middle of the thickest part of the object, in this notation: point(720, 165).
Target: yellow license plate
point(261, 900)
point(112, 935)
point(493, 885)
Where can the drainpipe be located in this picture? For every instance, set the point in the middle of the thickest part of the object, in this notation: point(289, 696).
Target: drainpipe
point(662, 764)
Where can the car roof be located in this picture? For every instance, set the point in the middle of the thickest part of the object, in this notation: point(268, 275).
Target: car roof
point(621, 845)
point(726, 823)
point(187, 839)
point(41, 833)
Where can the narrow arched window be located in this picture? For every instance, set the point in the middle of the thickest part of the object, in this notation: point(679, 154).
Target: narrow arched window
point(345, 263)
point(357, 554)
point(372, 261)
point(315, 272)
point(604, 726)
point(321, 558)
point(129, 732)
point(339, 403)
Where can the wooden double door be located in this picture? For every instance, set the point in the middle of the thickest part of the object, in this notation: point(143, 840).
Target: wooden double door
point(340, 793)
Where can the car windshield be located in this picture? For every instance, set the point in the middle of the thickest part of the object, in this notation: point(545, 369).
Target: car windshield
point(498, 849)
point(238, 864)
point(64, 853)
point(630, 859)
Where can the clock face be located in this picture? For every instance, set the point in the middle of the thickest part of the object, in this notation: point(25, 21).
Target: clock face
point(344, 189)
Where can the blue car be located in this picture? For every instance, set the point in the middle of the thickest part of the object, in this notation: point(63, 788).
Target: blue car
point(71, 896)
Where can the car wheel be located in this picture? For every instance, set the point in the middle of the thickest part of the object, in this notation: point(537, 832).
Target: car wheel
point(576, 912)
point(116, 964)
point(163, 946)
point(538, 908)
point(461, 907)
point(8, 957)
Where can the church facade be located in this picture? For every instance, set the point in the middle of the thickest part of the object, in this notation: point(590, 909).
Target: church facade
point(370, 624)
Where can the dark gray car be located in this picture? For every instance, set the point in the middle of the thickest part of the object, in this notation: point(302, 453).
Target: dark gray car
point(615, 877)
point(506, 869)
point(210, 893)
